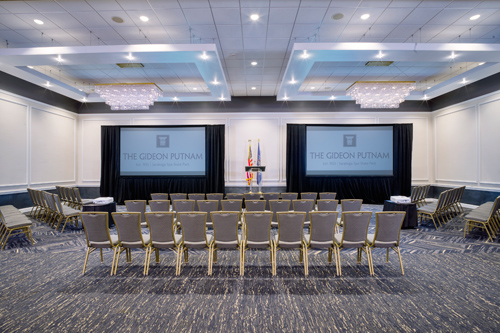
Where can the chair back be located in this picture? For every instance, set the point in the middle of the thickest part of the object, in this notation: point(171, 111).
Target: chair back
point(226, 229)
point(303, 205)
point(161, 229)
point(159, 196)
point(159, 205)
point(208, 206)
point(255, 205)
point(290, 229)
point(355, 228)
point(96, 229)
point(183, 205)
point(289, 196)
point(128, 226)
point(322, 228)
point(252, 196)
point(327, 195)
point(351, 205)
point(279, 206)
point(309, 195)
point(71, 195)
point(55, 202)
point(78, 197)
point(177, 196)
point(232, 205)
point(196, 197)
point(216, 196)
point(193, 225)
point(136, 206)
point(258, 229)
point(387, 228)
point(327, 205)
point(234, 196)
point(495, 207)
point(270, 196)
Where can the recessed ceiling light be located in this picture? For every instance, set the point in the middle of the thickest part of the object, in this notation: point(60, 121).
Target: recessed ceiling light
point(253, 63)
point(129, 57)
point(144, 18)
point(285, 98)
point(222, 98)
point(30, 67)
point(304, 55)
point(474, 17)
point(254, 17)
point(48, 84)
point(253, 88)
point(215, 82)
point(464, 81)
point(195, 88)
point(175, 99)
point(37, 21)
point(332, 97)
point(117, 19)
point(429, 87)
point(59, 59)
point(313, 88)
point(80, 89)
point(425, 97)
point(365, 16)
point(453, 55)
point(292, 81)
point(204, 56)
point(380, 55)
point(481, 63)
point(338, 16)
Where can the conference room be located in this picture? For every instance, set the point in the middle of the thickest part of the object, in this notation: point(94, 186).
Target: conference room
point(228, 148)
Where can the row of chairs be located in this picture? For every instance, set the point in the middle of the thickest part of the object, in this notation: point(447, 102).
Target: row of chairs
point(444, 209)
point(71, 197)
point(12, 222)
point(255, 234)
point(48, 208)
point(486, 216)
point(419, 193)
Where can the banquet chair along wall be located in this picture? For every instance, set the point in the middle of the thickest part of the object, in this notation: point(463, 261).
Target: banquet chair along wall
point(163, 237)
point(290, 236)
point(194, 236)
point(322, 232)
point(128, 227)
point(257, 236)
point(226, 235)
point(387, 231)
point(96, 226)
point(353, 236)
point(65, 213)
point(485, 217)
point(12, 222)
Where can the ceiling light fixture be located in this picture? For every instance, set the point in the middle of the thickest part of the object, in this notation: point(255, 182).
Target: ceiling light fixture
point(59, 59)
point(129, 96)
point(305, 55)
point(253, 88)
point(481, 63)
point(48, 84)
point(222, 98)
point(380, 94)
point(313, 88)
point(365, 16)
point(130, 57)
point(84, 99)
point(144, 18)
point(204, 56)
point(425, 98)
point(474, 17)
point(254, 17)
point(453, 55)
point(338, 16)
point(380, 55)
point(175, 98)
point(195, 88)
point(253, 63)
point(31, 67)
point(464, 81)
point(429, 87)
point(332, 97)
point(292, 81)
point(285, 98)
point(215, 82)
point(37, 21)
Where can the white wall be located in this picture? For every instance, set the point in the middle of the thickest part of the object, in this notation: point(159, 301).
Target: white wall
point(37, 144)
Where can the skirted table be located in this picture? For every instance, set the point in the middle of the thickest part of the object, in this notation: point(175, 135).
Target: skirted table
point(410, 220)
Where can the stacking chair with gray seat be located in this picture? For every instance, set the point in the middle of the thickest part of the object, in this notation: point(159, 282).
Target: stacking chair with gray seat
point(289, 196)
point(12, 222)
point(159, 196)
point(181, 206)
point(484, 217)
point(434, 210)
point(128, 226)
point(80, 202)
point(194, 235)
point(309, 196)
point(208, 206)
point(353, 237)
point(321, 233)
point(96, 226)
point(327, 205)
point(278, 206)
point(162, 234)
point(137, 206)
point(257, 236)
point(70, 193)
point(235, 196)
point(349, 205)
point(290, 236)
point(216, 196)
point(387, 231)
point(255, 205)
point(251, 196)
point(304, 205)
point(327, 195)
point(232, 205)
point(177, 196)
point(196, 197)
point(65, 213)
point(159, 205)
point(226, 236)
point(270, 196)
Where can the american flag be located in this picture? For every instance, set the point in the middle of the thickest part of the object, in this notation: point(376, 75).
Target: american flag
point(250, 162)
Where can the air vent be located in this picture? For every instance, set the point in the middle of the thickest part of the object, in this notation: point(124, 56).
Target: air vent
point(379, 63)
point(131, 65)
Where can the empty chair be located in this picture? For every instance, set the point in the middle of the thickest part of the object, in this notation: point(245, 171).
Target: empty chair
point(137, 206)
point(177, 196)
point(208, 206)
point(128, 226)
point(484, 217)
point(65, 213)
point(289, 196)
point(181, 206)
point(194, 235)
point(234, 196)
point(321, 233)
point(327, 195)
point(327, 204)
point(387, 231)
point(196, 197)
point(349, 205)
point(353, 236)
point(270, 196)
point(159, 205)
point(70, 194)
point(162, 235)
point(96, 226)
point(255, 205)
point(80, 202)
point(257, 235)
point(225, 234)
point(159, 196)
point(309, 195)
point(13, 222)
point(303, 205)
point(290, 236)
point(232, 205)
point(252, 196)
point(216, 196)
point(278, 206)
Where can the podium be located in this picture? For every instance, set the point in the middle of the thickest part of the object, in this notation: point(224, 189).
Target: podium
point(255, 168)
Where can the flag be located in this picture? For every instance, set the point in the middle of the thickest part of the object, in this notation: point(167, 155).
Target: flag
point(259, 174)
point(250, 162)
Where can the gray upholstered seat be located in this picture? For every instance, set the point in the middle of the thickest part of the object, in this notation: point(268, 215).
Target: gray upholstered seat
point(181, 206)
point(309, 195)
point(349, 205)
point(235, 196)
point(290, 236)
point(159, 205)
point(80, 202)
point(226, 236)
point(252, 196)
point(12, 222)
point(216, 196)
point(64, 212)
point(255, 205)
point(482, 218)
point(257, 235)
point(194, 235)
point(278, 206)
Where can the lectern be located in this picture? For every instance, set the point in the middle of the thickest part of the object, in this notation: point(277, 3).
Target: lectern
point(255, 168)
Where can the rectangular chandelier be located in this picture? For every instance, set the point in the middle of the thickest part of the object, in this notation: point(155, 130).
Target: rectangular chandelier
point(380, 94)
point(129, 96)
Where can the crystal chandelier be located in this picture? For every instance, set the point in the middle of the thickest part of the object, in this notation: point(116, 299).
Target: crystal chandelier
point(380, 94)
point(129, 96)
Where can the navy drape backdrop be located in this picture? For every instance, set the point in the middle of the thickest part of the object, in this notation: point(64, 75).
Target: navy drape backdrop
point(140, 188)
point(370, 189)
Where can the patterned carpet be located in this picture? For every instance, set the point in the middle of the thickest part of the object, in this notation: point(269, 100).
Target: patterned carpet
point(450, 284)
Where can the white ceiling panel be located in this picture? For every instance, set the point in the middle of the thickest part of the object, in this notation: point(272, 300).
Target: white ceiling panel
point(279, 31)
point(13, 22)
point(229, 31)
point(199, 16)
point(226, 16)
point(63, 20)
point(17, 7)
point(254, 31)
point(254, 43)
point(306, 15)
point(46, 6)
point(282, 15)
point(75, 6)
point(448, 16)
point(99, 5)
point(171, 17)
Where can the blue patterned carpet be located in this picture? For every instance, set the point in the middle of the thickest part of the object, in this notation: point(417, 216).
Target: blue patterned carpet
point(450, 285)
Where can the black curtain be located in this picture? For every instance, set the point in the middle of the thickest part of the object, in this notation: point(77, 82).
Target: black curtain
point(370, 189)
point(140, 188)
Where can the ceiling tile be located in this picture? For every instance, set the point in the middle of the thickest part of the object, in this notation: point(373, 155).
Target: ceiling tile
point(99, 5)
point(198, 16)
point(46, 6)
point(279, 31)
point(226, 15)
point(171, 17)
point(229, 31)
point(308, 15)
point(254, 31)
point(17, 7)
point(254, 43)
point(282, 15)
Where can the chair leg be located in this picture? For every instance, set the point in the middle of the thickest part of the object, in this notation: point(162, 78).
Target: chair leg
point(210, 259)
point(114, 259)
point(146, 262)
point(157, 253)
point(306, 263)
point(396, 249)
point(338, 265)
point(102, 258)
point(329, 255)
point(118, 259)
point(6, 238)
point(370, 260)
point(86, 258)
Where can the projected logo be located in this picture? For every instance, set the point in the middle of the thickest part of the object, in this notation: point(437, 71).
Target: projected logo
point(349, 140)
point(162, 141)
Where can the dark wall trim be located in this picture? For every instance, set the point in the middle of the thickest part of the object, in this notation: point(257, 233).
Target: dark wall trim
point(24, 88)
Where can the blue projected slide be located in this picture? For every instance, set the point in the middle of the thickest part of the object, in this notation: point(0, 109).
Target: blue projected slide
point(162, 151)
point(349, 151)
